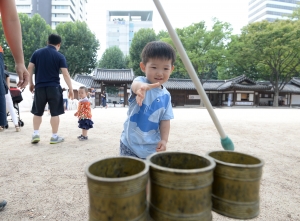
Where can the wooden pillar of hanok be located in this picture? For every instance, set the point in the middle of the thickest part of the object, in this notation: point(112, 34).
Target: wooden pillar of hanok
point(125, 95)
point(234, 97)
point(290, 99)
point(102, 88)
point(220, 98)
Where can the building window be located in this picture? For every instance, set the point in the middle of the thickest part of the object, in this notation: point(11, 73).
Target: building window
point(244, 97)
point(23, 7)
point(62, 15)
point(60, 7)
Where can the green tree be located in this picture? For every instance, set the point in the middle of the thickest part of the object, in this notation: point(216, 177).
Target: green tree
point(205, 48)
point(162, 34)
point(139, 41)
point(79, 45)
point(35, 33)
point(233, 67)
point(296, 13)
point(268, 51)
point(112, 58)
point(127, 61)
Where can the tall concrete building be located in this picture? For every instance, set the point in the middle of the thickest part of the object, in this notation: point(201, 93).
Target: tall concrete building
point(121, 26)
point(54, 11)
point(270, 10)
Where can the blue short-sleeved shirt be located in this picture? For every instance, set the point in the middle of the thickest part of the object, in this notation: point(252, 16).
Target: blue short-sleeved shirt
point(48, 62)
point(141, 129)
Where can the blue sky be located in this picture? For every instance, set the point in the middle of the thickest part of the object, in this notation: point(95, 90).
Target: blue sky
point(180, 13)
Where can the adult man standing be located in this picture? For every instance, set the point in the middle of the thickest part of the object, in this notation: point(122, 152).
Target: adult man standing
point(93, 91)
point(46, 64)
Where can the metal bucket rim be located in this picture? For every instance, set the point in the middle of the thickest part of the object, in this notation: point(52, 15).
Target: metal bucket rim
point(187, 171)
point(235, 164)
point(120, 179)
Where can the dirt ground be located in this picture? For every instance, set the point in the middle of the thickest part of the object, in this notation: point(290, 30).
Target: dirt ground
point(47, 182)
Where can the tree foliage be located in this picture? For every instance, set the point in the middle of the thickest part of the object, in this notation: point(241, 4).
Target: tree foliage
point(112, 58)
point(269, 51)
point(296, 13)
point(139, 41)
point(205, 48)
point(79, 45)
point(35, 32)
point(162, 34)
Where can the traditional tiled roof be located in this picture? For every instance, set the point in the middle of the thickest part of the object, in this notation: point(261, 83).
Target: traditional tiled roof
point(291, 88)
point(251, 87)
point(87, 80)
point(296, 81)
point(113, 74)
point(176, 83)
point(240, 82)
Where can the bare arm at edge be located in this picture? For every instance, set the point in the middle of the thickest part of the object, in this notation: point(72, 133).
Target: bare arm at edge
point(13, 34)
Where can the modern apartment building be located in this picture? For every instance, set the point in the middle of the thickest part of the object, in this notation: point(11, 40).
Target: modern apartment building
point(270, 10)
point(54, 11)
point(121, 26)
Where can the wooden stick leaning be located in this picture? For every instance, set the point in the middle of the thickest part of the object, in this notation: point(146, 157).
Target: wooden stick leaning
point(225, 140)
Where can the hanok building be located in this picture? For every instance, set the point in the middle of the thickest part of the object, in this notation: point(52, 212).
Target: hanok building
point(102, 78)
point(239, 91)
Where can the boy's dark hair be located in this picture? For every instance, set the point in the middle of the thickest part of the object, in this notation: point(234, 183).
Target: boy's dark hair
point(84, 88)
point(54, 39)
point(158, 49)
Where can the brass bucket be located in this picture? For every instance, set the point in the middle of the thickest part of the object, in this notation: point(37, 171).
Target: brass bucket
point(117, 189)
point(235, 191)
point(180, 186)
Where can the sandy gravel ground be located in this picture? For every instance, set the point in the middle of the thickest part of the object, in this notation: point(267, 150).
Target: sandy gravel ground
point(47, 182)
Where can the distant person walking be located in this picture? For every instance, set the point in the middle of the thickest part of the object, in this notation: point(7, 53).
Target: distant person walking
point(103, 96)
point(92, 94)
point(65, 97)
point(46, 63)
point(10, 104)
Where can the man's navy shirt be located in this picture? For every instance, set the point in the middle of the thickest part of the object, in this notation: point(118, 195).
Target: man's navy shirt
point(48, 62)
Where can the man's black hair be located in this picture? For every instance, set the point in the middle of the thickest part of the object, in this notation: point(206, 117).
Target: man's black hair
point(54, 39)
point(160, 50)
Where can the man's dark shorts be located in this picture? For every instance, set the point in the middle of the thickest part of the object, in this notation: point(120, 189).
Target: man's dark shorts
point(51, 95)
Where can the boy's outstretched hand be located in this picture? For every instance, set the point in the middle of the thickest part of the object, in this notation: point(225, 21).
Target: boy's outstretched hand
point(141, 92)
point(161, 146)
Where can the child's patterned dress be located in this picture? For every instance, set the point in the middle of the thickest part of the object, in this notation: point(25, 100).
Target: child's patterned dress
point(84, 114)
